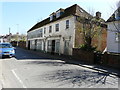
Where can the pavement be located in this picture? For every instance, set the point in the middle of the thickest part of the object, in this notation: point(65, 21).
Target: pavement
point(0, 74)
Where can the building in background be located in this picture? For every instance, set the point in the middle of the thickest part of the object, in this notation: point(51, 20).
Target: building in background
point(59, 33)
point(113, 33)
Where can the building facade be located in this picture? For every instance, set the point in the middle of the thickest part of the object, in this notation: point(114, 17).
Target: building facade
point(113, 37)
point(58, 33)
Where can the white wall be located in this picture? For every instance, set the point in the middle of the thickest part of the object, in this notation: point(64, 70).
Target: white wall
point(112, 44)
point(65, 33)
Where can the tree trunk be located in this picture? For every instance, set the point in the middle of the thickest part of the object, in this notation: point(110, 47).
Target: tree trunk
point(88, 42)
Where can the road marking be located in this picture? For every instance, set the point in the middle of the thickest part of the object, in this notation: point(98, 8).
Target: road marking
point(13, 71)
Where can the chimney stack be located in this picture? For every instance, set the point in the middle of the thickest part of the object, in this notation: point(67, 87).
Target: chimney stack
point(98, 15)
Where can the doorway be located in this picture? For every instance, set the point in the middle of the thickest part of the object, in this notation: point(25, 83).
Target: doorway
point(66, 47)
point(53, 47)
point(28, 45)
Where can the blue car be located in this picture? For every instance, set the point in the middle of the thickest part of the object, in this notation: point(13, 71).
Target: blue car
point(6, 49)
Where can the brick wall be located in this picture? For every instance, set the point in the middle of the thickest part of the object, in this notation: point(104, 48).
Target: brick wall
point(85, 56)
point(111, 60)
point(99, 40)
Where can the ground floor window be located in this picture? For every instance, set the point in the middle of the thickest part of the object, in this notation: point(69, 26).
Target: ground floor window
point(53, 46)
point(49, 45)
point(32, 44)
point(39, 44)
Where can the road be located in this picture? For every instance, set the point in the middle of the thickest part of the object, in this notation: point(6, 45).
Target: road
point(29, 70)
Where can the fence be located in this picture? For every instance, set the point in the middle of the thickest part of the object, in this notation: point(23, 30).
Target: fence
point(109, 60)
point(87, 57)
point(21, 44)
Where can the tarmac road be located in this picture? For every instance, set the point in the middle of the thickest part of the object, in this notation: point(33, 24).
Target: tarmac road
point(30, 70)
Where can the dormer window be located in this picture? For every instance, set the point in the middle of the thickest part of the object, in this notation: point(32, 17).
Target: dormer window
point(52, 16)
point(59, 12)
point(117, 14)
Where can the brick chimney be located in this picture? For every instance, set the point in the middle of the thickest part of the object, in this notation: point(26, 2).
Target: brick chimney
point(98, 15)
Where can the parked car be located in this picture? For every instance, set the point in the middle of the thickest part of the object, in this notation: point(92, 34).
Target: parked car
point(6, 49)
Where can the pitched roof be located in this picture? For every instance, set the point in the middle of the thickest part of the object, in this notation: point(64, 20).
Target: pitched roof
point(72, 10)
point(113, 18)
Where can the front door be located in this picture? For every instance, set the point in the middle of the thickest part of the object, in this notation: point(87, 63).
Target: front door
point(35, 45)
point(28, 45)
point(53, 46)
point(66, 47)
point(44, 46)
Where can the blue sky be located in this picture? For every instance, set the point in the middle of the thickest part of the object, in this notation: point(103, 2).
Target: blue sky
point(21, 16)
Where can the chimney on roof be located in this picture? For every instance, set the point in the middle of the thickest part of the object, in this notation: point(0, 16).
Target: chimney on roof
point(98, 15)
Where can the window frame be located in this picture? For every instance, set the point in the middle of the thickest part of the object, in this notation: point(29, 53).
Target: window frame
point(57, 27)
point(67, 24)
point(44, 30)
point(50, 29)
point(117, 37)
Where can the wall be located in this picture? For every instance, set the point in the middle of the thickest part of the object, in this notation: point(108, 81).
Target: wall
point(63, 34)
point(99, 40)
point(84, 56)
point(111, 60)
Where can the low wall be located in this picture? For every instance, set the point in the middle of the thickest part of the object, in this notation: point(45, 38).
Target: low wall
point(108, 60)
point(111, 60)
point(84, 56)
point(21, 44)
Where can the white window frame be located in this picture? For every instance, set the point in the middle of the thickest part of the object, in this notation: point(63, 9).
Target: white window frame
point(67, 24)
point(50, 29)
point(117, 37)
point(57, 27)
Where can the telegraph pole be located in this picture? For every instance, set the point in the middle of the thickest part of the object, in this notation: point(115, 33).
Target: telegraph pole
point(9, 35)
point(9, 30)
point(17, 34)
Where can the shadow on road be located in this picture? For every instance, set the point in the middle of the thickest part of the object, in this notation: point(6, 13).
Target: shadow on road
point(22, 54)
point(78, 78)
point(43, 58)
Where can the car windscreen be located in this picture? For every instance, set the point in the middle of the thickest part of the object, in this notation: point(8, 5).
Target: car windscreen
point(5, 46)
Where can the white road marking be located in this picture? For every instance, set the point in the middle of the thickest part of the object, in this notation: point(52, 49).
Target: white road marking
point(13, 71)
point(3, 83)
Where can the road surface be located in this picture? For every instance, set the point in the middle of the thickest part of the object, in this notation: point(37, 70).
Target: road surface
point(29, 70)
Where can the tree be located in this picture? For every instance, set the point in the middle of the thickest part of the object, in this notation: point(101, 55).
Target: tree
point(91, 27)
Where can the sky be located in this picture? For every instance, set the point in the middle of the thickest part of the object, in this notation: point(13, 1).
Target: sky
point(21, 15)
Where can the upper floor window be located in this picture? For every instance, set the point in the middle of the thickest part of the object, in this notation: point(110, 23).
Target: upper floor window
point(57, 27)
point(41, 33)
point(67, 24)
point(50, 29)
point(117, 37)
point(44, 30)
